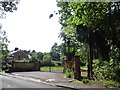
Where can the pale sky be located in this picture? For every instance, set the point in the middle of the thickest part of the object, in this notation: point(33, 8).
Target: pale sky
point(29, 28)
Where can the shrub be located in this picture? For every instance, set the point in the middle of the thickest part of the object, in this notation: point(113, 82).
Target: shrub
point(69, 73)
point(110, 83)
point(107, 70)
point(57, 64)
point(85, 80)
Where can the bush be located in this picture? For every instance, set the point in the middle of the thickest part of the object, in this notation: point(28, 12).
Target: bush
point(69, 73)
point(57, 64)
point(107, 70)
point(111, 84)
point(85, 80)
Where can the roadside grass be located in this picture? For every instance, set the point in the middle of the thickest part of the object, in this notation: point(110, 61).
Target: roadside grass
point(110, 83)
point(53, 68)
point(99, 83)
point(76, 81)
point(47, 68)
point(2, 70)
point(105, 83)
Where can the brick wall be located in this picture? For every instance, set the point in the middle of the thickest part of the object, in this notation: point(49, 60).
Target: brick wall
point(74, 64)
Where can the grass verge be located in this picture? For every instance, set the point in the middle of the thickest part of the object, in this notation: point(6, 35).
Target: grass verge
point(100, 83)
point(47, 68)
point(110, 83)
point(76, 81)
point(52, 68)
point(2, 70)
point(105, 83)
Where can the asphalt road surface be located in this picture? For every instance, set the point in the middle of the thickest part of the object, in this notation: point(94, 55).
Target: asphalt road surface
point(11, 82)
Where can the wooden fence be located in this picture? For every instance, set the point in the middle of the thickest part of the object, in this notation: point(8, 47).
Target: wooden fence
point(25, 66)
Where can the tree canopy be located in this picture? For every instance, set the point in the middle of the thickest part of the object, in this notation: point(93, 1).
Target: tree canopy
point(7, 6)
point(96, 24)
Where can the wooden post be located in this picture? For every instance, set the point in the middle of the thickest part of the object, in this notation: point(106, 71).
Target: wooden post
point(64, 66)
point(37, 66)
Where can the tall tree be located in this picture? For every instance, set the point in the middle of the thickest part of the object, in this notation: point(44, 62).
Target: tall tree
point(5, 6)
point(55, 52)
point(95, 23)
point(3, 47)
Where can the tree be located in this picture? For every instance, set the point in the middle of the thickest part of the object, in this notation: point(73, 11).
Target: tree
point(3, 47)
point(95, 24)
point(34, 57)
point(40, 55)
point(7, 6)
point(47, 59)
point(55, 52)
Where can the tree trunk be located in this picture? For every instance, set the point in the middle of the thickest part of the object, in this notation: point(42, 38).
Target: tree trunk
point(90, 59)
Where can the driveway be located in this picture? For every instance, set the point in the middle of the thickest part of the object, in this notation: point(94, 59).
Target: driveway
point(57, 76)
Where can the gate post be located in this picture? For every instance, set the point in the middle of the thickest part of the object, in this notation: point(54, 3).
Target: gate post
point(77, 73)
point(37, 66)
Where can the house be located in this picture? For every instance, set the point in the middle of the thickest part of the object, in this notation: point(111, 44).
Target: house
point(19, 55)
point(18, 58)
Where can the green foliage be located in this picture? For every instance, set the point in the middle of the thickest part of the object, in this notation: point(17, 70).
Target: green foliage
point(107, 70)
point(3, 48)
point(57, 63)
point(110, 83)
point(69, 73)
point(2, 70)
point(76, 81)
point(34, 57)
point(40, 55)
point(85, 80)
point(7, 6)
point(47, 58)
point(98, 21)
point(83, 67)
point(55, 52)
point(118, 27)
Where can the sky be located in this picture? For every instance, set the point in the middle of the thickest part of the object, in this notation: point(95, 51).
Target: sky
point(29, 28)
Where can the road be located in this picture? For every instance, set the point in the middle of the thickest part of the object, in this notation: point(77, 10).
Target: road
point(11, 82)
